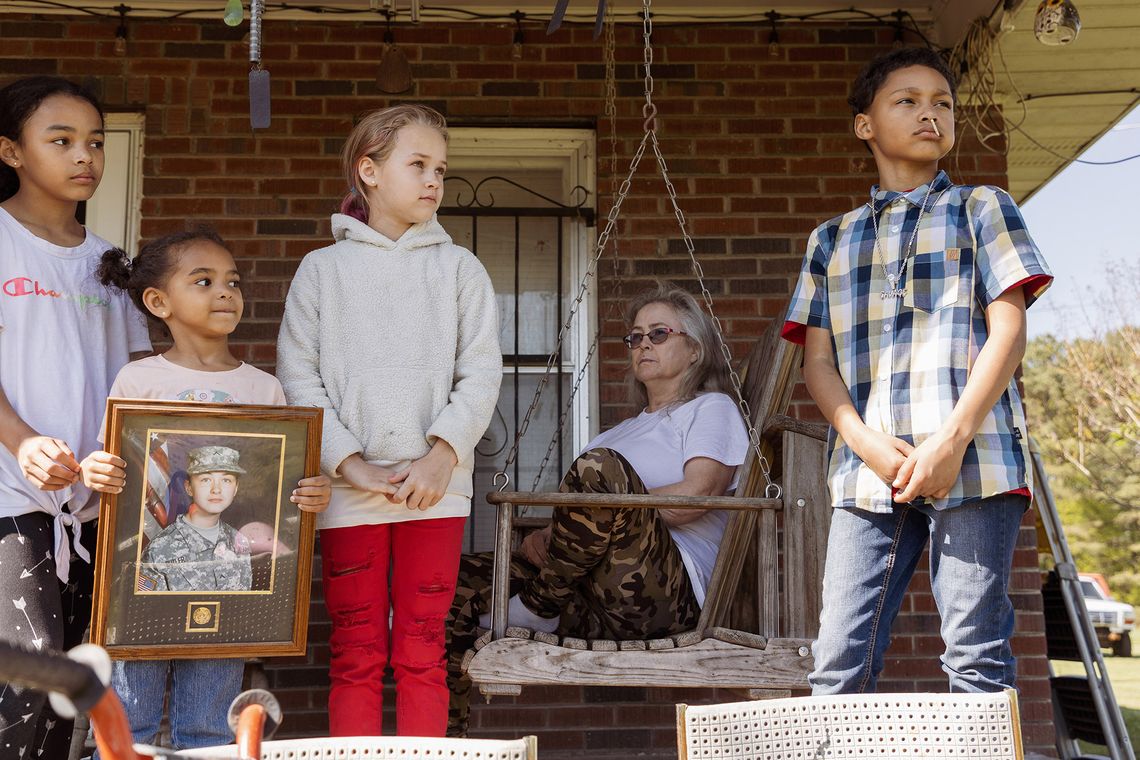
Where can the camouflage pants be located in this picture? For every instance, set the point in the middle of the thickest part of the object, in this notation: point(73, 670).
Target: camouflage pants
point(610, 574)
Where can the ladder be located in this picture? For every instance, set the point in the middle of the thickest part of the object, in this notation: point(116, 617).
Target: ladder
point(1071, 694)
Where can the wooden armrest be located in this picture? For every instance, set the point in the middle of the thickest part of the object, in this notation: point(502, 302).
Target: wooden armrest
point(640, 501)
point(526, 523)
point(779, 423)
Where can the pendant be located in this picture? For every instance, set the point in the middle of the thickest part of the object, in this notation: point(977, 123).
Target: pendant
point(892, 290)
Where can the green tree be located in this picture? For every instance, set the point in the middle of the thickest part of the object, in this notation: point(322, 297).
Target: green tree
point(1083, 398)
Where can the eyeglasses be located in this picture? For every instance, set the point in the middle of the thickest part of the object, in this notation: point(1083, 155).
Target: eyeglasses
point(657, 336)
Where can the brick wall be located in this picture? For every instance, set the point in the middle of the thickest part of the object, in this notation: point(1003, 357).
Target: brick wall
point(760, 151)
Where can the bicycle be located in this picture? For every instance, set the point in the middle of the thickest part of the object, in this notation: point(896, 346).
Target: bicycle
point(78, 682)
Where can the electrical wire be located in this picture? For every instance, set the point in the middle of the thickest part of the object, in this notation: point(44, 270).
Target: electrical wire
point(979, 105)
point(972, 60)
point(892, 20)
point(1072, 159)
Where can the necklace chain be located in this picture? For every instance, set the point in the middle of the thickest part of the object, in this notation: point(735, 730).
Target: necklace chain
point(892, 290)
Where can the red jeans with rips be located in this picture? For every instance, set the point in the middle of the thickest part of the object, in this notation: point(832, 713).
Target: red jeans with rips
point(423, 556)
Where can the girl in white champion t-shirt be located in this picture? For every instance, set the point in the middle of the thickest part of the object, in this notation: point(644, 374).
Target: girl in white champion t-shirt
point(63, 336)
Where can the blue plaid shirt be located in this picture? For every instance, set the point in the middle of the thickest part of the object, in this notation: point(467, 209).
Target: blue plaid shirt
point(905, 360)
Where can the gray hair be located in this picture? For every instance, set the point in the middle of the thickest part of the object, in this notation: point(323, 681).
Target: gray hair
point(710, 372)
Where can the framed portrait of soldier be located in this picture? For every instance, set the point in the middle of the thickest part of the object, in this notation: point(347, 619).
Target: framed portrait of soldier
point(203, 554)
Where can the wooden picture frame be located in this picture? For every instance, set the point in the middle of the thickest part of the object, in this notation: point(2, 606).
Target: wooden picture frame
point(173, 579)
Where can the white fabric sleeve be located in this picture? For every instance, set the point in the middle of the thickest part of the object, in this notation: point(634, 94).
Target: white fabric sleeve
point(138, 335)
point(121, 388)
point(478, 363)
point(278, 395)
point(299, 368)
point(715, 429)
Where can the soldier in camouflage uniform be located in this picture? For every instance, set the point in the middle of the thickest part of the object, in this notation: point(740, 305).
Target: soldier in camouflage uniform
point(199, 552)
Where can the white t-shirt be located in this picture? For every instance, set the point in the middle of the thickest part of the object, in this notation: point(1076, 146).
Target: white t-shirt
point(658, 444)
point(63, 336)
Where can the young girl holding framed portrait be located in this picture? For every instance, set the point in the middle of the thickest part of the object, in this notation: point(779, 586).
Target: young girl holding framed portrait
point(189, 283)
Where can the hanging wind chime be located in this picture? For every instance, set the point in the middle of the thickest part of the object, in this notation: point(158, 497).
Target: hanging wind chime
point(259, 112)
point(395, 73)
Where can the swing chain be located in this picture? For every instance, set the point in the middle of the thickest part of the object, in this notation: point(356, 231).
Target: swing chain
point(501, 476)
point(649, 111)
point(584, 286)
point(771, 489)
point(609, 50)
point(566, 409)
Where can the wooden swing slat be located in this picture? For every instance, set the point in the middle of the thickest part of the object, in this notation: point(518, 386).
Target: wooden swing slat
point(707, 664)
point(805, 532)
point(630, 501)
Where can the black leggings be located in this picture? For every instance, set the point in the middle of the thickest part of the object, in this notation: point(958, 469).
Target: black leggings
point(39, 612)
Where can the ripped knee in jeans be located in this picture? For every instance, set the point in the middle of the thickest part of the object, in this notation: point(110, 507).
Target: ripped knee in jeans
point(340, 569)
point(430, 628)
point(352, 617)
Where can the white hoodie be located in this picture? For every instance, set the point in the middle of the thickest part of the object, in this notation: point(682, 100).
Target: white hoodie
point(398, 342)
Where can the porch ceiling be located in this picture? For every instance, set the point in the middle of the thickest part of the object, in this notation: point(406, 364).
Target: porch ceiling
point(1071, 95)
point(942, 20)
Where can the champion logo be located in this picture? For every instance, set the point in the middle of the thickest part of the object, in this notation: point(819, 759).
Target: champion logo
point(26, 286)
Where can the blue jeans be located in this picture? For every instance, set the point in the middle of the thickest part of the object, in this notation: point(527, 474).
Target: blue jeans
point(870, 560)
point(200, 696)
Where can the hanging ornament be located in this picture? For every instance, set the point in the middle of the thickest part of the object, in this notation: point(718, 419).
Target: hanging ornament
point(1057, 22)
point(395, 73)
point(235, 13)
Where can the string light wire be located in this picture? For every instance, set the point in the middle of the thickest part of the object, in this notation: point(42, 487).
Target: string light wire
point(890, 20)
point(975, 60)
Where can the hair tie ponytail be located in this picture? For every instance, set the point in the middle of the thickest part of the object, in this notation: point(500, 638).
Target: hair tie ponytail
point(355, 206)
point(115, 268)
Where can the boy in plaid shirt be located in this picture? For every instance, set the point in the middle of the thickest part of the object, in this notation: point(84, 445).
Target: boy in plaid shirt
point(911, 310)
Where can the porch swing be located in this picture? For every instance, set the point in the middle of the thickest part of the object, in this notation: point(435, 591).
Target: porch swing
point(757, 641)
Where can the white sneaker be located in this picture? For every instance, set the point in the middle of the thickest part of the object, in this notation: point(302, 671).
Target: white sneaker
point(518, 614)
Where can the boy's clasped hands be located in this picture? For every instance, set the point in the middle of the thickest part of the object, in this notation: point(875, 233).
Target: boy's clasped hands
point(928, 470)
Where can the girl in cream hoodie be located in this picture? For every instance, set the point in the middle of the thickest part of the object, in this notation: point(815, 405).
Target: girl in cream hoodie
point(393, 330)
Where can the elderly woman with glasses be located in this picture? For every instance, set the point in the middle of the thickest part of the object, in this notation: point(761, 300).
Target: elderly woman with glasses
point(626, 573)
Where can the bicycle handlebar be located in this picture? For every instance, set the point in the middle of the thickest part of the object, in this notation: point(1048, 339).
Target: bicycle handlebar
point(51, 671)
point(252, 713)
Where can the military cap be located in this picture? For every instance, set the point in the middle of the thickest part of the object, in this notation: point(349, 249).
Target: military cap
point(214, 459)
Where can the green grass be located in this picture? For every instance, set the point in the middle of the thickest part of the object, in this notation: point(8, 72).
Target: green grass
point(1125, 676)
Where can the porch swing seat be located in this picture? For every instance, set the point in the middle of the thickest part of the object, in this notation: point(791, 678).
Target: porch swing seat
point(762, 605)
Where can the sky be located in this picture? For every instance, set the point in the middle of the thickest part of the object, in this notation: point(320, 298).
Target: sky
point(1084, 220)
